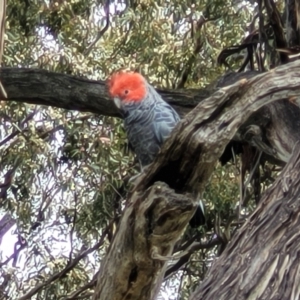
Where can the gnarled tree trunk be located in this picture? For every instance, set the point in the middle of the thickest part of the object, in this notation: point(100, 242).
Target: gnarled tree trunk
point(262, 260)
point(185, 162)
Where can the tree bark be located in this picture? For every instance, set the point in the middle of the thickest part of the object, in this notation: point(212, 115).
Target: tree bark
point(200, 138)
point(292, 22)
point(262, 260)
point(152, 223)
point(185, 164)
point(43, 87)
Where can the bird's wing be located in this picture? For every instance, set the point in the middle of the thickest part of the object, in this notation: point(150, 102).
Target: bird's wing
point(166, 119)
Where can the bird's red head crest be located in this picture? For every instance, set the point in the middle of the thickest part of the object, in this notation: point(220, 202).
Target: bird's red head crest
point(127, 86)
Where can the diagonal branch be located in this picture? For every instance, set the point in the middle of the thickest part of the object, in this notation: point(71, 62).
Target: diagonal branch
point(200, 138)
point(68, 268)
point(185, 163)
point(102, 31)
point(197, 48)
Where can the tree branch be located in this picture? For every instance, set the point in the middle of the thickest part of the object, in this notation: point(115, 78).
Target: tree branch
point(197, 47)
point(52, 89)
point(185, 163)
point(48, 88)
point(74, 93)
point(6, 223)
point(102, 31)
point(200, 138)
point(68, 268)
point(265, 251)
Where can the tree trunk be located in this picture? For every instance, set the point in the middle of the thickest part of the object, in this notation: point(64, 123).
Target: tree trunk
point(152, 223)
point(185, 164)
point(262, 260)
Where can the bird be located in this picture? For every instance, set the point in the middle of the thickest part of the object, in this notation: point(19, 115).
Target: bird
point(148, 119)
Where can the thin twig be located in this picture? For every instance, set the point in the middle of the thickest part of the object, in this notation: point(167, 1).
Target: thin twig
point(18, 131)
point(73, 227)
point(197, 48)
point(102, 31)
point(90, 284)
point(68, 268)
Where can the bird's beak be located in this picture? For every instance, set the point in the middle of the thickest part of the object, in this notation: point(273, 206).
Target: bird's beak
point(117, 102)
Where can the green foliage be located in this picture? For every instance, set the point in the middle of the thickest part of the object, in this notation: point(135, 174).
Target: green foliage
point(68, 168)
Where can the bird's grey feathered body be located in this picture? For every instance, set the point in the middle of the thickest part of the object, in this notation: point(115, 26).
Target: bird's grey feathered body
point(148, 124)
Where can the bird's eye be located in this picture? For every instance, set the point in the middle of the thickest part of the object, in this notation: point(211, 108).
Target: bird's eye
point(126, 92)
